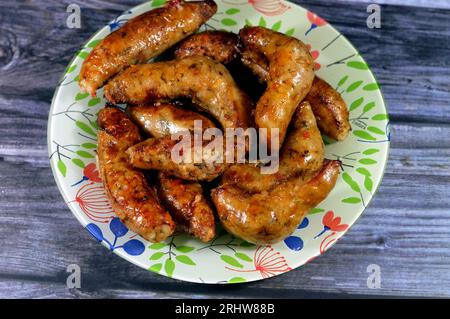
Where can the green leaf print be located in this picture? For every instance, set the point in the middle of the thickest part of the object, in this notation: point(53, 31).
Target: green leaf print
point(380, 117)
point(371, 151)
point(157, 246)
point(156, 255)
point(85, 128)
point(349, 180)
point(364, 135)
point(155, 268)
point(236, 280)
point(262, 22)
point(184, 249)
point(367, 161)
point(356, 103)
point(363, 171)
point(357, 65)
point(62, 168)
point(158, 3)
point(169, 267)
point(343, 80)
point(80, 96)
point(228, 22)
point(354, 86)
point(94, 101)
point(78, 162)
point(231, 261)
point(368, 183)
point(352, 200)
point(290, 32)
point(84, 154)
point(375, 130)
point(276, 26)
point(371, 87)
point(243, 257)
point(185, 260)
point(88, 145)
point(232, 11)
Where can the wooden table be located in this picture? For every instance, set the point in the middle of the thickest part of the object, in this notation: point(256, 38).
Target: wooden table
point(406, 229)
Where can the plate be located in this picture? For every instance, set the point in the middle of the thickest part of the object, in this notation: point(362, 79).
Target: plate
point(72, 145)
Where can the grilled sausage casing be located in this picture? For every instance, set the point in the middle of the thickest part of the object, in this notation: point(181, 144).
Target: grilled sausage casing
point(269, 217)
point(302, 155)
point(142, 38)
point(291, 73)
point(220, 46)
point(128, 191)
point(207, 82)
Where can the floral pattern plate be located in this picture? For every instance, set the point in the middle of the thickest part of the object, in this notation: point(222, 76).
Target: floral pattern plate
point(72, 132)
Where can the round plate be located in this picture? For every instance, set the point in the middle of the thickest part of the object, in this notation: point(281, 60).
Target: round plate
point(72, 141)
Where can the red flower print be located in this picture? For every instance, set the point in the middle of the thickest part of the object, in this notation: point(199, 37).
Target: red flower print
point(315, 55)
point(93, 202)
point(333, 223)
point(268, 262)
point(315, 20)
point(330, 223)
point(266, 7)
point(90, 173)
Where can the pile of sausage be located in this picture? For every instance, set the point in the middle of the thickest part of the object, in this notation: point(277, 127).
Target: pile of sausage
point(152, 194)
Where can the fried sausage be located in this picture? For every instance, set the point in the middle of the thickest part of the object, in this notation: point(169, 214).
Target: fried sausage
point(188, 206)
point(143, 38)
point(164, 119)
point(329, 107)
point(291, 73)
point(156, 153)
point(130, 195)
point(206, 82)
point(269, 217)
point(330, 110)
point(221, 46)
point(185, 200)
point(301, 156)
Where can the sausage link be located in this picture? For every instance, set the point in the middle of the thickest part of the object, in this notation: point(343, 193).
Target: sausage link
point(130, 195)
point(291, 73)
point(301, 156)
point(269, 217)
point(143, 38)
point(207, 82)
point(220, 46)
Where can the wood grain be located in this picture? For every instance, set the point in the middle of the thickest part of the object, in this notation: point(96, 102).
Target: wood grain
point(404, 230)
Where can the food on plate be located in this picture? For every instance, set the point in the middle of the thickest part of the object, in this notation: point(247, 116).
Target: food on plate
point(185, 200)
point(166, 101)
point(164, 119)
point(329, 107)
point(221, 46)
point(291, 74)
point(206, 82)
point(142, 38)
point(301, 156)
point(156, 154)
point(128, 191)
point(271, 216)
point(188, 206)
point(330, 110)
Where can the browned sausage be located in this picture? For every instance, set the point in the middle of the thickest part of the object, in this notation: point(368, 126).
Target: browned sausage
point(164, 119)
point(269, 217)
point(207, 82)
point(130, 195)
point(221, 46)
point(142, 38)
point(188, 206)
point(156, 153)
point(329, 107)
point(330, 110)
point(291, 73)
point(301, 156)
